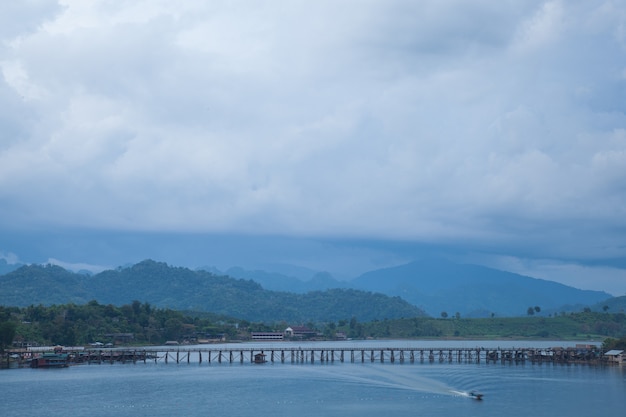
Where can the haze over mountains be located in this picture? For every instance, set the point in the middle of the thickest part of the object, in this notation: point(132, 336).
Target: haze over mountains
point(433, 286)
point(441, 286)
point(183, 289)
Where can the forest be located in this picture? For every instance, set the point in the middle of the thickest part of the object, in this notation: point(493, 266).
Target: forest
point(140, 323)
point(182, 289)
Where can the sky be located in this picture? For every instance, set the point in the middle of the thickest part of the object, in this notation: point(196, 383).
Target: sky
point(327, 134)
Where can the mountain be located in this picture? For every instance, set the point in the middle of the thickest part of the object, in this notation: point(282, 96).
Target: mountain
point(37, 284)
point(432, 286)
point(472, 290)
point(277, 281)
point(6, 267)
point(183, 289)
point(613, 305)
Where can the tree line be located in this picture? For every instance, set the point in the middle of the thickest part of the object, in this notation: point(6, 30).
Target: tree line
point(140, 323)
point(72, 324)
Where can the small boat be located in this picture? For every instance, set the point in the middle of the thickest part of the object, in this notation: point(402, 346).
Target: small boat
point(475, 395)
point(259, 358)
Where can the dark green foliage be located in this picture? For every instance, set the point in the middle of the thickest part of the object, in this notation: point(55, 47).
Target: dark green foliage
point(72, 324)
point(611, 343)
point(183, 289)
point(573, 326)
point(37, 284)
point(7, 333)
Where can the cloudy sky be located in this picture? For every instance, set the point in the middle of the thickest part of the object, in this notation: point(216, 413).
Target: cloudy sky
point(497, 128)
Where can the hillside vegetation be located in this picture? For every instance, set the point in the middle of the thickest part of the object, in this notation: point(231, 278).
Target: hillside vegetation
point(438, 285)
point(183, 289)
point(72, 324)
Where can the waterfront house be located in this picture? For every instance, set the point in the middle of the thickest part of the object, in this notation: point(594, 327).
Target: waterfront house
point(615, 356)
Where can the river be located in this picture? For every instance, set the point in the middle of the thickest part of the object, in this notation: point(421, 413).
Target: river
point(319, 389)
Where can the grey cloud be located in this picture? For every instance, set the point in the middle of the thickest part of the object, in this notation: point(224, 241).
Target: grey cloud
point(18, 18)
point(413, 120)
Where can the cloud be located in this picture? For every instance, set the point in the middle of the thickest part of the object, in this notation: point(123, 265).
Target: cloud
point(488, 123)
point(78, 267)
point(586, 277)
point(9, 257)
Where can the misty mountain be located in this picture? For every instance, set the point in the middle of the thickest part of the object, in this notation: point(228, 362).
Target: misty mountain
point(6, 267)
point(472, 290)
point(183, 289)
point(277, 281)
point(437, 285)
point(612, 305)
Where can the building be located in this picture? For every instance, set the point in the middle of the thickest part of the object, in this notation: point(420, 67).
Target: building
point(272, 336)
point(299, 332)
point(341, 336)
point(615, 356)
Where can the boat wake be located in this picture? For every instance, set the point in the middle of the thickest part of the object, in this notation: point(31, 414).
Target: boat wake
point(471, 394)
point(385, 379)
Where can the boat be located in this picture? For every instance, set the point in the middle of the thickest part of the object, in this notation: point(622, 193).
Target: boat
point(50, 360)
point(475, 395)
point(259, 358)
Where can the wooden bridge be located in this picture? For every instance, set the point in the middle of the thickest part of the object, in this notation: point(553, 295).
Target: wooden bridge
point(326, 355)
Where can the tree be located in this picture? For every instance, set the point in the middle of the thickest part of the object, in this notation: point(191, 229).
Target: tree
point(353, 322)
point(7, 333)
point(530, 311)
point(537, 309)
point(444, 314)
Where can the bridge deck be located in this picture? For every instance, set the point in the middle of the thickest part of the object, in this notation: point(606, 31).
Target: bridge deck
point(241, 354)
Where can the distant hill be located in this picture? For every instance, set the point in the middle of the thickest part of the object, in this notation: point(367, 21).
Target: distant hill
point(472, 290)
point(6, 267)
point(183, 289)
point(37, 284)
point(277, 281)
point(612, 305)
point(428, 286)
point(438, 286)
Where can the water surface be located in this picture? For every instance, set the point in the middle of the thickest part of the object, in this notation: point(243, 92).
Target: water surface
point(320, 389)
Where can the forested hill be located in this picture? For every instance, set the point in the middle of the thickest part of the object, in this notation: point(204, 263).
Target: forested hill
point(183, 289)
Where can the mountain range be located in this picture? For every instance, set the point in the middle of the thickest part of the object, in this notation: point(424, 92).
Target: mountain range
point(432, 287)
point(438, 286)
point(183, 289)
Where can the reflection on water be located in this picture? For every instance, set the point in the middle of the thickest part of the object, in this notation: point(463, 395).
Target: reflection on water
point(320, 389)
